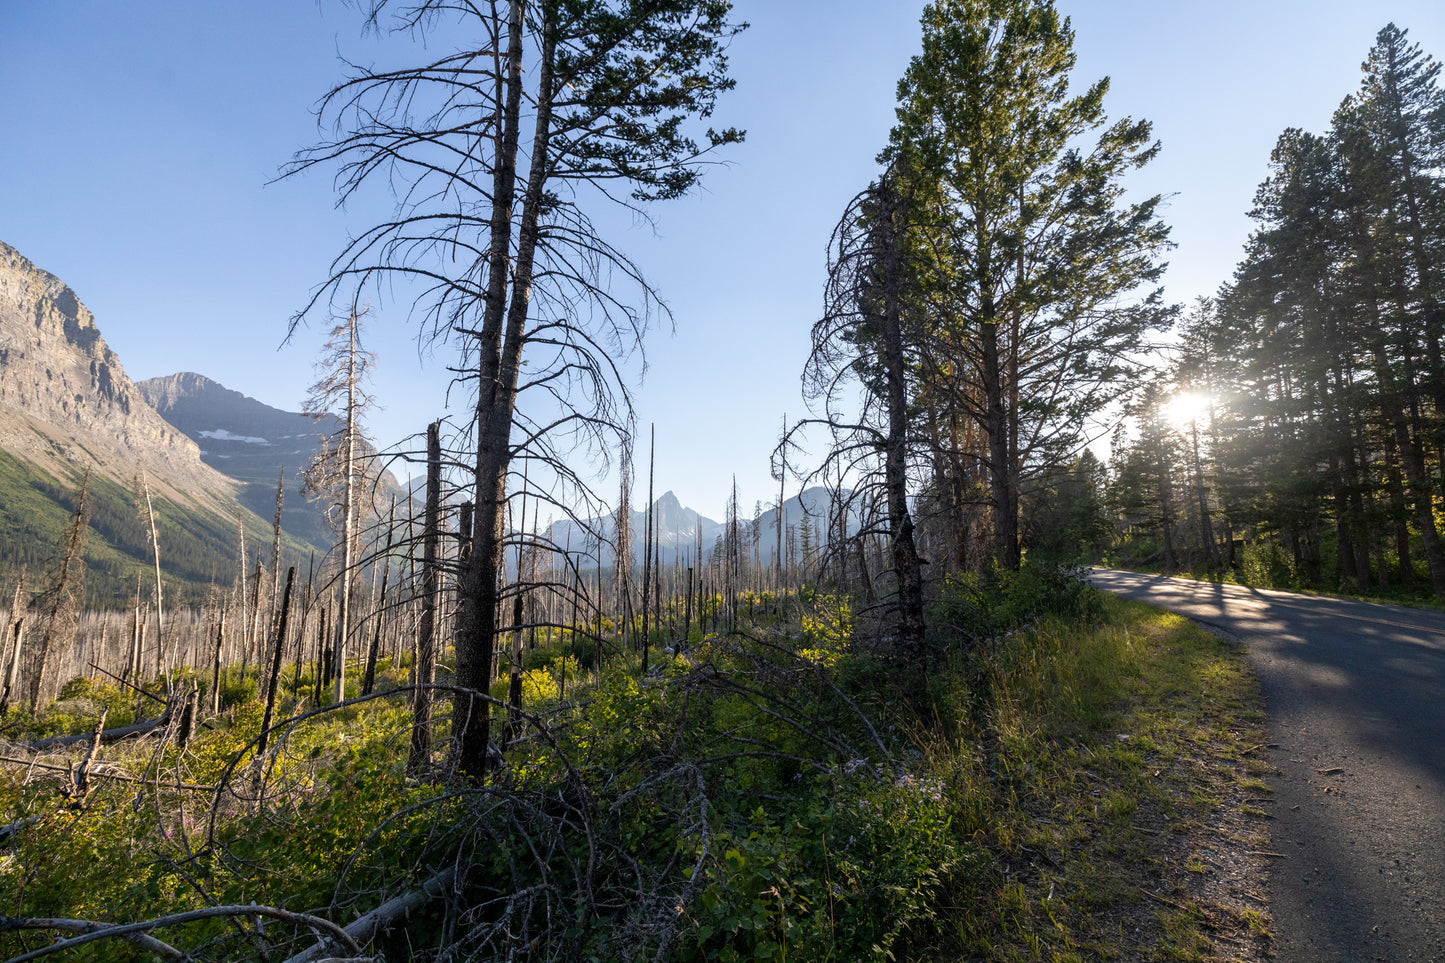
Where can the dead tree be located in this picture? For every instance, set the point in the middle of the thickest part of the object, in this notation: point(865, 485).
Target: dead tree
point(242, 573)
point(430, 584)
point(864, 340)
point(504, 255)
point(369, 678)
point(622, 545)
point(337, 470)
point(276, 541)
point(143, 493)
point(16, 633)
point(62, 594)
point(273, 680)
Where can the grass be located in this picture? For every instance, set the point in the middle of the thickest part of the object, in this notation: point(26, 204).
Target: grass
point(1109, 754)
point(1062, 792)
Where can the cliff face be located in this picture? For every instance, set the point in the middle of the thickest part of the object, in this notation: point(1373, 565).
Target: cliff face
point(65, 400)
point(254, 444)
point(238, 435)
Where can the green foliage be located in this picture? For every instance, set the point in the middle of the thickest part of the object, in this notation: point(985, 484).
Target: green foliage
point(984, 607)
point(841, 874)
point(122, 858)
point(1063, 516)
point(827, 630)
point(770, 791)
point(1265, 564)
point(1321, 357)
point(196, 543)
point(76, 709)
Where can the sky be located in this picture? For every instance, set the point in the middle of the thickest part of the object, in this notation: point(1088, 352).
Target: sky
point(140, 142)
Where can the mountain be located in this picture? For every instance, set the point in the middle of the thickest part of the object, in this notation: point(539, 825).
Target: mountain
point(66, 402)
point(254, 443)
point(677, 527)
point(67, 405)
point(676, 531)
point(814, 503)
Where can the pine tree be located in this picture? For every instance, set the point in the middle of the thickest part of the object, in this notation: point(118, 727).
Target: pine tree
point(1037, 254)
point(1391, 142)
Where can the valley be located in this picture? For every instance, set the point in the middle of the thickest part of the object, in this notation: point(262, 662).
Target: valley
point(272, 689)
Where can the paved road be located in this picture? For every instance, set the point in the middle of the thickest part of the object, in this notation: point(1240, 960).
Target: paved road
point(1355, 695)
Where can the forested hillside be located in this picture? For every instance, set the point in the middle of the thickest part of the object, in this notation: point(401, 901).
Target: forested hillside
point(199, 549)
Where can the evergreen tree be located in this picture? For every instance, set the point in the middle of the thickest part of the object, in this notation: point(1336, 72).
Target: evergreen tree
point(1037, 254)
point(1391, 143)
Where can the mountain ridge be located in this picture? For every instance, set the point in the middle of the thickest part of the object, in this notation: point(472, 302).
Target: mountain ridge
point(68, 400)
point(678, 528)
point(68, 408)
point(253, 442)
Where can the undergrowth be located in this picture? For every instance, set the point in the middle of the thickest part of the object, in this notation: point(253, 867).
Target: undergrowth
point(762, 794)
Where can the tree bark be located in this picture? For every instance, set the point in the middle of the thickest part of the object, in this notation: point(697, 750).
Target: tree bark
point(906, 564)
point(273, 680)
point(17, 635)
point(421, 707)
point(369, 679)
point(499, 354)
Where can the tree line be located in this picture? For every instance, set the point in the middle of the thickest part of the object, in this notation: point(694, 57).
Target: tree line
point(1317, 369)
point(985, 294)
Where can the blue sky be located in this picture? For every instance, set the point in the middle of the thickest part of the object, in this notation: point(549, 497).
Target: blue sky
point(137, 140)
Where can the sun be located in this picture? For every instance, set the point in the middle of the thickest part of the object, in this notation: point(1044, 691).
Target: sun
point(1187, 408)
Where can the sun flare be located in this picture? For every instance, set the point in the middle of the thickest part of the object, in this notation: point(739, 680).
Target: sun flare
point(1186, 408)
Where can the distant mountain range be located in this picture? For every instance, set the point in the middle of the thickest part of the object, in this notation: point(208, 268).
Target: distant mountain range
point(210, 456)
point(680, 530)
point(207, 453)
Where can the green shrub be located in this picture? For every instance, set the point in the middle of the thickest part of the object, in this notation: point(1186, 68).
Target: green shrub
point(841, 875)
point(983, 607)
point(1265, 564)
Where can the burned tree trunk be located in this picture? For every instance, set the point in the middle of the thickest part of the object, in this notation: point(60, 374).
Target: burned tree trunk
point(272, 681)
point(16, 631)
point(426, 634)
point(61, 595)
point(369, 679)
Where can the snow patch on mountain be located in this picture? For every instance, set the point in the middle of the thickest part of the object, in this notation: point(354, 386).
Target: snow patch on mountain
point(221, 434)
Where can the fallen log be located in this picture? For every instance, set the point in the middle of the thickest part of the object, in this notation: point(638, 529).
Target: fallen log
point(108, 771)
point(142, 940)
point(108, 735)
point(128, 931)
point(11, 829)
point(365, 927)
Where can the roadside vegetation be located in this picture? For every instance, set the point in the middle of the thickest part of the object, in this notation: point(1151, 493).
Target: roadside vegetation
point(1265, 564)
point(1041, 788)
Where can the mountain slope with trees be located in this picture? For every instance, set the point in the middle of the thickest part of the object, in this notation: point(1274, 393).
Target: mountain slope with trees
point(67, 406)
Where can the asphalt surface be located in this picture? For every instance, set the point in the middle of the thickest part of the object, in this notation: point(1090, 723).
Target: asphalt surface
point(1355, 697)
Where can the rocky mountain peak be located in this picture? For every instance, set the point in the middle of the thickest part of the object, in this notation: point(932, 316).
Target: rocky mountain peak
point(255, 443)
point(64, 396)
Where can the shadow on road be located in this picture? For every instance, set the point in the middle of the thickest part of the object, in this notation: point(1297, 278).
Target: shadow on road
point(1355, 694)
